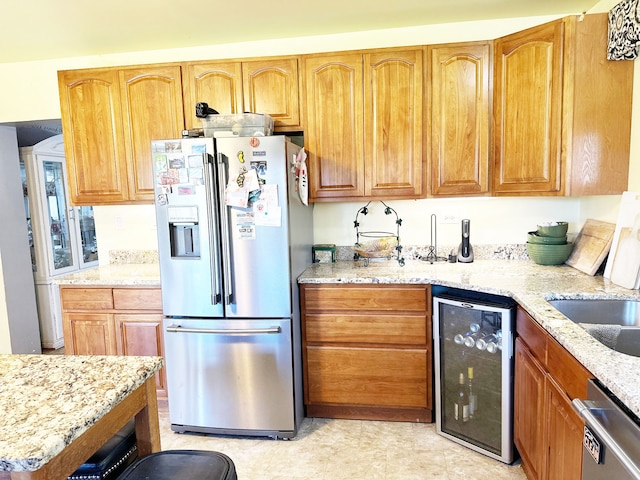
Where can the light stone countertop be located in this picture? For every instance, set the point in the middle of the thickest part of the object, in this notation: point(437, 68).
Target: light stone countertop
point(530, 285)
point(125, 274)
point(47, 401)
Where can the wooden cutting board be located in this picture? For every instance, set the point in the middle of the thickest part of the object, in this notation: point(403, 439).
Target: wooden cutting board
point(591, 246)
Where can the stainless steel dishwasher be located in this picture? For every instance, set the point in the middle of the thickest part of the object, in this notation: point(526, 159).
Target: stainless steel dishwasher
point(611, 437)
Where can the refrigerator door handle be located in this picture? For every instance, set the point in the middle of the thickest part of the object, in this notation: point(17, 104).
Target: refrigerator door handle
point(216, 294)
point(224, 223)
point(224, 331)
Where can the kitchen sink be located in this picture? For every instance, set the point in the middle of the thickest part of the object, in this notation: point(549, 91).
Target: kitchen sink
point(614, 323)
point(600, 311)
point(621, 339)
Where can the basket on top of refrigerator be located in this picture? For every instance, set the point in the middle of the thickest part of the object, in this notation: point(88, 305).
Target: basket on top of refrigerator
point(233, 125)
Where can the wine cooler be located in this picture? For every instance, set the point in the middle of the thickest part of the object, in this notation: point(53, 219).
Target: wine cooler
point(473, 357)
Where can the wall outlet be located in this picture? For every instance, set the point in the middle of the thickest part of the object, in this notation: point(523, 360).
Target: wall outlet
point(450, 219)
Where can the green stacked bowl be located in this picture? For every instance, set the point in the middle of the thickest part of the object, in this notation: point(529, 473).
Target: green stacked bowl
point(535, 237)
point(549, 254)
point(548, 245)
point(553, 229)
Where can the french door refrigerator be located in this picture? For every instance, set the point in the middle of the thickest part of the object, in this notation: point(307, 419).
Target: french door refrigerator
point(473, 357)
point(233, 236)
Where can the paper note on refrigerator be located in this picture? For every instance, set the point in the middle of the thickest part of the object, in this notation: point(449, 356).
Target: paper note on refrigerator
point(245, 225)
point(266, 209)
point(267, 217)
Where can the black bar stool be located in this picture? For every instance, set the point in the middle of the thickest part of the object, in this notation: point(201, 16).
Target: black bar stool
point(181, 465)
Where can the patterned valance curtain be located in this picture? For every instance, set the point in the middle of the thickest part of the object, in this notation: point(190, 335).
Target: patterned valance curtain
point(624, 31)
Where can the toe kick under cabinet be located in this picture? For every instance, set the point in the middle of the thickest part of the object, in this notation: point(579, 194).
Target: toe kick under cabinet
point(367, 351)
point(113, 321)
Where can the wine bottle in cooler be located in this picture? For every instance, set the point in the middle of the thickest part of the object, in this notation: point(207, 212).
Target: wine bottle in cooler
point(473, 396)
point(461, 412)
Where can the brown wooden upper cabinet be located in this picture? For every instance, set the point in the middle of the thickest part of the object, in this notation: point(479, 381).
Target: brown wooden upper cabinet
point(562, 112)
point(561, 117)
point(459, 112)
point(109, 117)
point(152, 109)
point(96, 164)
point(364, 125)
point(273, 87)
point(261, 86)
point(219, 84)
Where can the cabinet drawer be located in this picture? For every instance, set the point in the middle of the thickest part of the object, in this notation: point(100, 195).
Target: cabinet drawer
point(367, 376)
point(533, 335)
point(354, 328)
point(567, 371)
point(370, 297)
point(86, 298)
point(137, 299)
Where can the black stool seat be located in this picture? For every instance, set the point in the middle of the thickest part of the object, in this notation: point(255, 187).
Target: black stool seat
point(112, 458)
point(181, 465)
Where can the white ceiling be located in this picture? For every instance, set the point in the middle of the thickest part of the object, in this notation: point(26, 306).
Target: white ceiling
point(45, 29)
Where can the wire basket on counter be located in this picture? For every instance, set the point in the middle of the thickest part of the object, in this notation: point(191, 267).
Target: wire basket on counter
point(377, 244)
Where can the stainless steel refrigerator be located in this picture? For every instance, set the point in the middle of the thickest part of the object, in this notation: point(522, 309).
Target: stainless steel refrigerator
point(233, 236)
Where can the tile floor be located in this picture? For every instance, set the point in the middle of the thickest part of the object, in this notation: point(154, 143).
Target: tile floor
point(326, 449)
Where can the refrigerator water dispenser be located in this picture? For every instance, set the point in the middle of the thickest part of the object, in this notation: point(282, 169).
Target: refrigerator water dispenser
point(184, 232)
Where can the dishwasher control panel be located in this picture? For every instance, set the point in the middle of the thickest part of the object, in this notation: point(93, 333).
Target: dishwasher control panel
point(592, 444)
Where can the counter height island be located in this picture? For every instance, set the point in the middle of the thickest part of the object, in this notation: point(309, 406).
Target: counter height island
point(57, 410)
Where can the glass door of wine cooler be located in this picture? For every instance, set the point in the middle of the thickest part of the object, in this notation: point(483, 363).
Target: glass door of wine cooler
point(473, 349)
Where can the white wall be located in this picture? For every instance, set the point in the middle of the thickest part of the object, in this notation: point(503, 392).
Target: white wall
point(19, 330)
point(5, 334)
point(29, 92)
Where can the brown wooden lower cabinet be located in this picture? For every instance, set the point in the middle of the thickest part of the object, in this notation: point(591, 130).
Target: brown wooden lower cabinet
point(89, 333)
point(547, 431)
point(367, 351)
point(113, 321)
point(529, 411)
point(565, 435)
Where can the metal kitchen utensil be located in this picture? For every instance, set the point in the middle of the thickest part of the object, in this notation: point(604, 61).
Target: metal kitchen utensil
point(432, 256)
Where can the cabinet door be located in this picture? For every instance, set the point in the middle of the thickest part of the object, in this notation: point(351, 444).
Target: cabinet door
point(367, 376)
point(393, 124)
point(565, 436)
point(272, 86)
point(152, 110)
point(89, 334)
point(93, 139)
point(600, 97)
point(528, 110)
point(458, 133)
point(529, 428)
point(141, 334)
point(334, 134)
point(217, 83)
